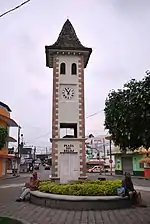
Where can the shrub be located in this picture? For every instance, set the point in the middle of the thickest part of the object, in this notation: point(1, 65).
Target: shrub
point(3, 136)
point(82, 188)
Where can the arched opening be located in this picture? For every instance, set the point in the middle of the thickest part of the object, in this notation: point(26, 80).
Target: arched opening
point(62, 68)
point(74, 69)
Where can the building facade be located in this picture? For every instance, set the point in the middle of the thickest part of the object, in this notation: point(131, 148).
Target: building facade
point(26, 158)
point(7, 122)
point(129, 162)
point(68, 58)
point(99, 147)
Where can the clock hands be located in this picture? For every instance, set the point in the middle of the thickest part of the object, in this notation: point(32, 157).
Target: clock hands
point(68, 92)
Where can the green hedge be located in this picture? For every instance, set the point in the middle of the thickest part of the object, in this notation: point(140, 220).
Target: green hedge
point(82, 188)
point(5, 220)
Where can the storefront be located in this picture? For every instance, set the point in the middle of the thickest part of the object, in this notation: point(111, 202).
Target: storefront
point(7, 162)
point(129, 162)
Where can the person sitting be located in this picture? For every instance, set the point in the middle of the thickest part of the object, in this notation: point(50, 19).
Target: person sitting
point(134, 196)
point(31, 186)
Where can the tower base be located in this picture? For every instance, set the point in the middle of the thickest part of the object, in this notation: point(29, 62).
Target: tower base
point(55, 179)
point(83, 178)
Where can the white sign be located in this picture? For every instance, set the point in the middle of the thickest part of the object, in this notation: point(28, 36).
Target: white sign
point(68, 149)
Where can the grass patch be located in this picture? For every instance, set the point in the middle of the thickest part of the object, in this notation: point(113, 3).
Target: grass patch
point(5, 220)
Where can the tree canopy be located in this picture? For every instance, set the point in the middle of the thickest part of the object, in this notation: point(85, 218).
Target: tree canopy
point(3, 136)
point(127, 114)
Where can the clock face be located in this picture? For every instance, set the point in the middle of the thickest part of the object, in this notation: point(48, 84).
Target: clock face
point(68, 93)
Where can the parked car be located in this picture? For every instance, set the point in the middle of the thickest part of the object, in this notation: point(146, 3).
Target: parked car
point(95, 169)
point(47, 167)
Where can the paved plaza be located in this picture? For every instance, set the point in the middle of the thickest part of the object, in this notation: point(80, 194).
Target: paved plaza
point(37, 215)
point(31, 214)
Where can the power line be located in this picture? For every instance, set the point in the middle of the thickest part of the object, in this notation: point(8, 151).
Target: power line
point(91, 115)
point(41, 136)
point(44, 135)
point(15, 8)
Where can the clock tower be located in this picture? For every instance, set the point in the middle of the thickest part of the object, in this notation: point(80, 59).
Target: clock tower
point(68, 58)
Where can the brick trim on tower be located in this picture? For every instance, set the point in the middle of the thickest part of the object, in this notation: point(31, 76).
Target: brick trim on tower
point(55, 128)
point(81, 116)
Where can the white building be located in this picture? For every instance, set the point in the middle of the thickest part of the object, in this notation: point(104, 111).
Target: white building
point(100, 145)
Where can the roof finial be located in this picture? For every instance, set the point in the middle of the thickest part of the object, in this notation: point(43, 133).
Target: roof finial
point(67, 17)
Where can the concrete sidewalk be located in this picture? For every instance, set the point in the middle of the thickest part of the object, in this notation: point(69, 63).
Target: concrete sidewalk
point(140, 188)
point(10, 176)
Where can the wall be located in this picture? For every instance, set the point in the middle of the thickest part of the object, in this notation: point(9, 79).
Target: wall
point(68, 60)
point(71, 81)
point(118, 163)
point(68, 164)
point(137, 170)
point(4, 112)
point(74, 113)
point(4, 150)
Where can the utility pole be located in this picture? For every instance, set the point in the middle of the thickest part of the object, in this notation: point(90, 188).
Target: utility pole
point(20, 149)
point(18, 167)
point(110, 155)
point(34, 152)
point(104, 150)
point(19, 128)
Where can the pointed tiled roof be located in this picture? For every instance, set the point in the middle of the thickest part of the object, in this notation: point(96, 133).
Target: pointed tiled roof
point(68, 38)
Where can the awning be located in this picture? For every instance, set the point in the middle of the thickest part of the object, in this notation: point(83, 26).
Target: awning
point(95, 162)
point(143, 150)
point(10, 122)
point(10, 139)
point(145, 160)
point(9, 156)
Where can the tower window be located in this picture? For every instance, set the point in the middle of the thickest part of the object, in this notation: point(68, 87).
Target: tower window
point(68, 130)
point(74, 69)
point(62, 68)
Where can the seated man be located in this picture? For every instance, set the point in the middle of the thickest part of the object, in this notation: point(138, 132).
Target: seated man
point(134, 196)
point(31, 186)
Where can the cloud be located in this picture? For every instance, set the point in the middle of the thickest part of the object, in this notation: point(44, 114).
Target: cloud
point(118, 32)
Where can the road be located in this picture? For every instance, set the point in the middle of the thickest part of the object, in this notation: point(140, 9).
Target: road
point(138, 182)
point(31, 214)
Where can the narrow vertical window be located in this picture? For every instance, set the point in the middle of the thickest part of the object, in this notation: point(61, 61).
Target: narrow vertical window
point(62, 69)
point(74, 69)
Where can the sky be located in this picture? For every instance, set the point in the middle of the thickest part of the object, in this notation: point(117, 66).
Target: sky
point(117, 31)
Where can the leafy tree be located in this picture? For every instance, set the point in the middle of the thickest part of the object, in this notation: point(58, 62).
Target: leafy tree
point(3, 136)
point(127, 114)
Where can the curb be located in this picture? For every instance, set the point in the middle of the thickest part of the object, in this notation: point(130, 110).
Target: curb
point(11, 177)
point(79, 203)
